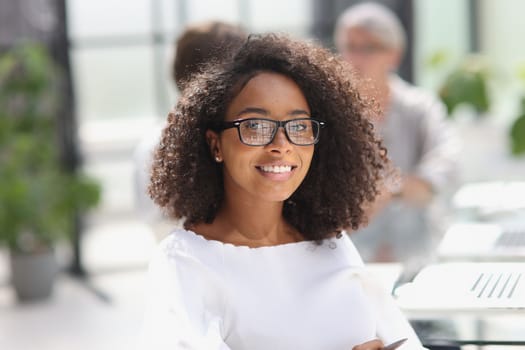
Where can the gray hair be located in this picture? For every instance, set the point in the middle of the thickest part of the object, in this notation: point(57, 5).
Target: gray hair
point(375, 19)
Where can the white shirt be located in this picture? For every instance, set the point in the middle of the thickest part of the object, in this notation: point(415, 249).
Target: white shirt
point(206, 294)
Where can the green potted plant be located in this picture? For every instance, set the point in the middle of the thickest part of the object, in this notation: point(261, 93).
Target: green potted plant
point(38, 198)
point(517, 132)
point(467, 84)
point(517, 129)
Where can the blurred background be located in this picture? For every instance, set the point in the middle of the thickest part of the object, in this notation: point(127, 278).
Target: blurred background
point(111, 61)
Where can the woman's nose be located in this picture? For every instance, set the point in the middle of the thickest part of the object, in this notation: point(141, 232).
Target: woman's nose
point(280, 142)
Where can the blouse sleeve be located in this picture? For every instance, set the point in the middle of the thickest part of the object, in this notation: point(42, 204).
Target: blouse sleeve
point(174, 316)
point(391, 324)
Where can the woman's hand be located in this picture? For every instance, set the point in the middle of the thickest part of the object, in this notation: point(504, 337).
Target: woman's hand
point(375, 344)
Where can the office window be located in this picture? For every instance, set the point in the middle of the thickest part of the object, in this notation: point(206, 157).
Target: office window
point(226, 10)
point(108, 18)
point(292, 16)
point(502, 32)
point(110, 85)
point(440, 26)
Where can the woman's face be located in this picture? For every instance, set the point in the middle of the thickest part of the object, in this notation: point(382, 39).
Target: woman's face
point(264, 173)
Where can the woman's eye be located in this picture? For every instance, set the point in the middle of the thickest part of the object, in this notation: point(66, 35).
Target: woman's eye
point(253, 124)
point(298, 127)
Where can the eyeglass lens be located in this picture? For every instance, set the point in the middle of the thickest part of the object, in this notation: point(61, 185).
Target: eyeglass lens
point(261, 131)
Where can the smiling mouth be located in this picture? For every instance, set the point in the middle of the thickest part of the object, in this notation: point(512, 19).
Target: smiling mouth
point(276, 169)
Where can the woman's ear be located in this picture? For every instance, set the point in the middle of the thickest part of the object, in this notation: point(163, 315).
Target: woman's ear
point(213, 142)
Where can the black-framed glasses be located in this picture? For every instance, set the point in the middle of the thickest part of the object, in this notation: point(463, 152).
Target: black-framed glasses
point(262, 131)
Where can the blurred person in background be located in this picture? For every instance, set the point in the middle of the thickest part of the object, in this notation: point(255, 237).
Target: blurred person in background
point(414, 130)
point(253, 158)
point(201, 43)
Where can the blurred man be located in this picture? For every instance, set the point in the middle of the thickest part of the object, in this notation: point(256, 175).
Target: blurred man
point(414, 129)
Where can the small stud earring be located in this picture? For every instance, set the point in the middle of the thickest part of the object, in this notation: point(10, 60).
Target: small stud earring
point(218, 159)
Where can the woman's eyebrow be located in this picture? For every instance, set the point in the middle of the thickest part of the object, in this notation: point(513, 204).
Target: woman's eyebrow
point(298, 112)
point(253, 110)
point(264, 112)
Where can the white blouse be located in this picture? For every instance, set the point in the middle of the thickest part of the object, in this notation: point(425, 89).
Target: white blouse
point(209, 295)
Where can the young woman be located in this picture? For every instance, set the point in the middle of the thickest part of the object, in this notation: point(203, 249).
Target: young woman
point(268, 158)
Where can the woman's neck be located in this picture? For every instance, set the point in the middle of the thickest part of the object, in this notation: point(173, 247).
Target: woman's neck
point(249, 224)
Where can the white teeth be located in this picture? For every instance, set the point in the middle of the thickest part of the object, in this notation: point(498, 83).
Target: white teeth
point(276, 169)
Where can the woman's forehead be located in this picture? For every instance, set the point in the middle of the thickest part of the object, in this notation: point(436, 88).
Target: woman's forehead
point(270, 91)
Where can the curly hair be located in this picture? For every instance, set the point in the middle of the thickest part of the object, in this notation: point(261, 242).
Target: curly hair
point(349, 161)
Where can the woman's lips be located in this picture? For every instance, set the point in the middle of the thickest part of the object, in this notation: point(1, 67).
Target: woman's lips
point(277, 172)
point(276, 168)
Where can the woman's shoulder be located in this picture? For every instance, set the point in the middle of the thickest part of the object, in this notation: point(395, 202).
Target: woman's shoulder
point(182, 242)
point(184, 250)
point(185, 244)
point(172, 243)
